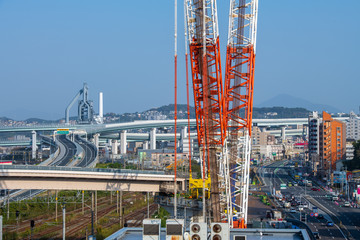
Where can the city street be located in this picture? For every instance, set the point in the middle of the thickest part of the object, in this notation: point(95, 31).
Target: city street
point(278, 173)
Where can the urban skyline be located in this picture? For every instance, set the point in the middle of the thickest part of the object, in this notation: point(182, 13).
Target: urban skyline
point(51, 48)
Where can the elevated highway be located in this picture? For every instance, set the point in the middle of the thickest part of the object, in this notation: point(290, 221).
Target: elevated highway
point(116, 127)
point(65, 178)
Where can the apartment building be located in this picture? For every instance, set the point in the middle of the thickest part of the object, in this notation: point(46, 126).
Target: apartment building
point(327, 142)
point(332, 142)
point(353, 127)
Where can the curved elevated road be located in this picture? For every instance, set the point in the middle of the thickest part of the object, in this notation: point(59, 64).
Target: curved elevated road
point(90, 152)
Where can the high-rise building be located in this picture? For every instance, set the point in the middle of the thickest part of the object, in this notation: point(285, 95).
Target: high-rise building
point(314, 129)
point(353, 127)
point(332, 142)
point(327, 142)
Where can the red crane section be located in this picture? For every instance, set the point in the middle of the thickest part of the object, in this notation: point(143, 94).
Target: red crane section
point(239, 87)
point(207, 89)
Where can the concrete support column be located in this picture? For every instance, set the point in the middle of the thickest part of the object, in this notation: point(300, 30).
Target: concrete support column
point(283, 134)
point(96, 141)
point(184, 140)
point(33, 145)
point(153, 139)
point(114, 147)
point(146, 145)
point(123, 142)
point(183, 135)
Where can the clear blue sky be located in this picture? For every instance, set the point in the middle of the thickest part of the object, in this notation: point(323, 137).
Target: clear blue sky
point(306, 48)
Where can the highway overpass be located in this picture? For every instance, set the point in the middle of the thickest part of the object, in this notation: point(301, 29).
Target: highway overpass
point(65, 178)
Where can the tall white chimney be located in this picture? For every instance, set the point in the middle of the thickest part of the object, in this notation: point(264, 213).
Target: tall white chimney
point(101, 107)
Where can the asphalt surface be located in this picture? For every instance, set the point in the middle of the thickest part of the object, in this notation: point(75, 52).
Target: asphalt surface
point(89, 152)
point(67, 151)
point(276, 173)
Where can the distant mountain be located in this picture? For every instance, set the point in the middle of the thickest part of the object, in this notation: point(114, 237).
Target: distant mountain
point(280, 112)
point(285, 100)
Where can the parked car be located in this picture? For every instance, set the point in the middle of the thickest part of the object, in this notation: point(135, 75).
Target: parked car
point(347, 204)
point(320, 216)
point(292, 210)
point(315, 189)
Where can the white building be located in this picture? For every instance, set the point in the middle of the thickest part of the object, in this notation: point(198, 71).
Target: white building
point(349, 151)
point(353, 127)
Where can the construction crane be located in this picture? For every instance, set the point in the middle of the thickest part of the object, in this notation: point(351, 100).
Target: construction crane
point(203, 39)
point(238, 101)
point(223, 116)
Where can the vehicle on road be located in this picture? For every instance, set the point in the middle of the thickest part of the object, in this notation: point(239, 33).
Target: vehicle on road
point(292, 210)
point(320, 216)
point(347, 204)
point(308, 183)
point(329, 224)
point(335, 198)
point(287, 204)
point(316, 235)
point(289, 184)
point(315, 189)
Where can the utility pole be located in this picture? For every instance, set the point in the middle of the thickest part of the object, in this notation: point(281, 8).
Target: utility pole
point(64, 219)
point(92, 214)
point(117, 202)
point(96, 207)
point(56, 205)
point(83, 203)
point(121, 210)
point(1, 227)
point(148, 206)
point(8, 204)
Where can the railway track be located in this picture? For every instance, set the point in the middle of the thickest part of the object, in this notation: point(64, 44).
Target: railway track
point(79, 222)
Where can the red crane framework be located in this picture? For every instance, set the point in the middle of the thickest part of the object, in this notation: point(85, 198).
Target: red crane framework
point(223, 113)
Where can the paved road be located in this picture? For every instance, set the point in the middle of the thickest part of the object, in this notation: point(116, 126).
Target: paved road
point(67, 151)
point(89, 152)
point(276, 174)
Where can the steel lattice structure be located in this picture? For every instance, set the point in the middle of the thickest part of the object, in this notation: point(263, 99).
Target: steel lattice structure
point(238, 100)
point(224, 116)
point(203, 38)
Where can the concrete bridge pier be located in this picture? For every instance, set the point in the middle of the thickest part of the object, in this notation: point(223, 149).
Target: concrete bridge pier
point(146, 145)
point(114, 147)
point(153, 139)
point(283, 133)
point(123, 142)
point(96, 141)
point(33, 145)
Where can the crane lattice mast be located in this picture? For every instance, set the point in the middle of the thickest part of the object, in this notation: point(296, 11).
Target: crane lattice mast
point(238, 104)
point(203, 38)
